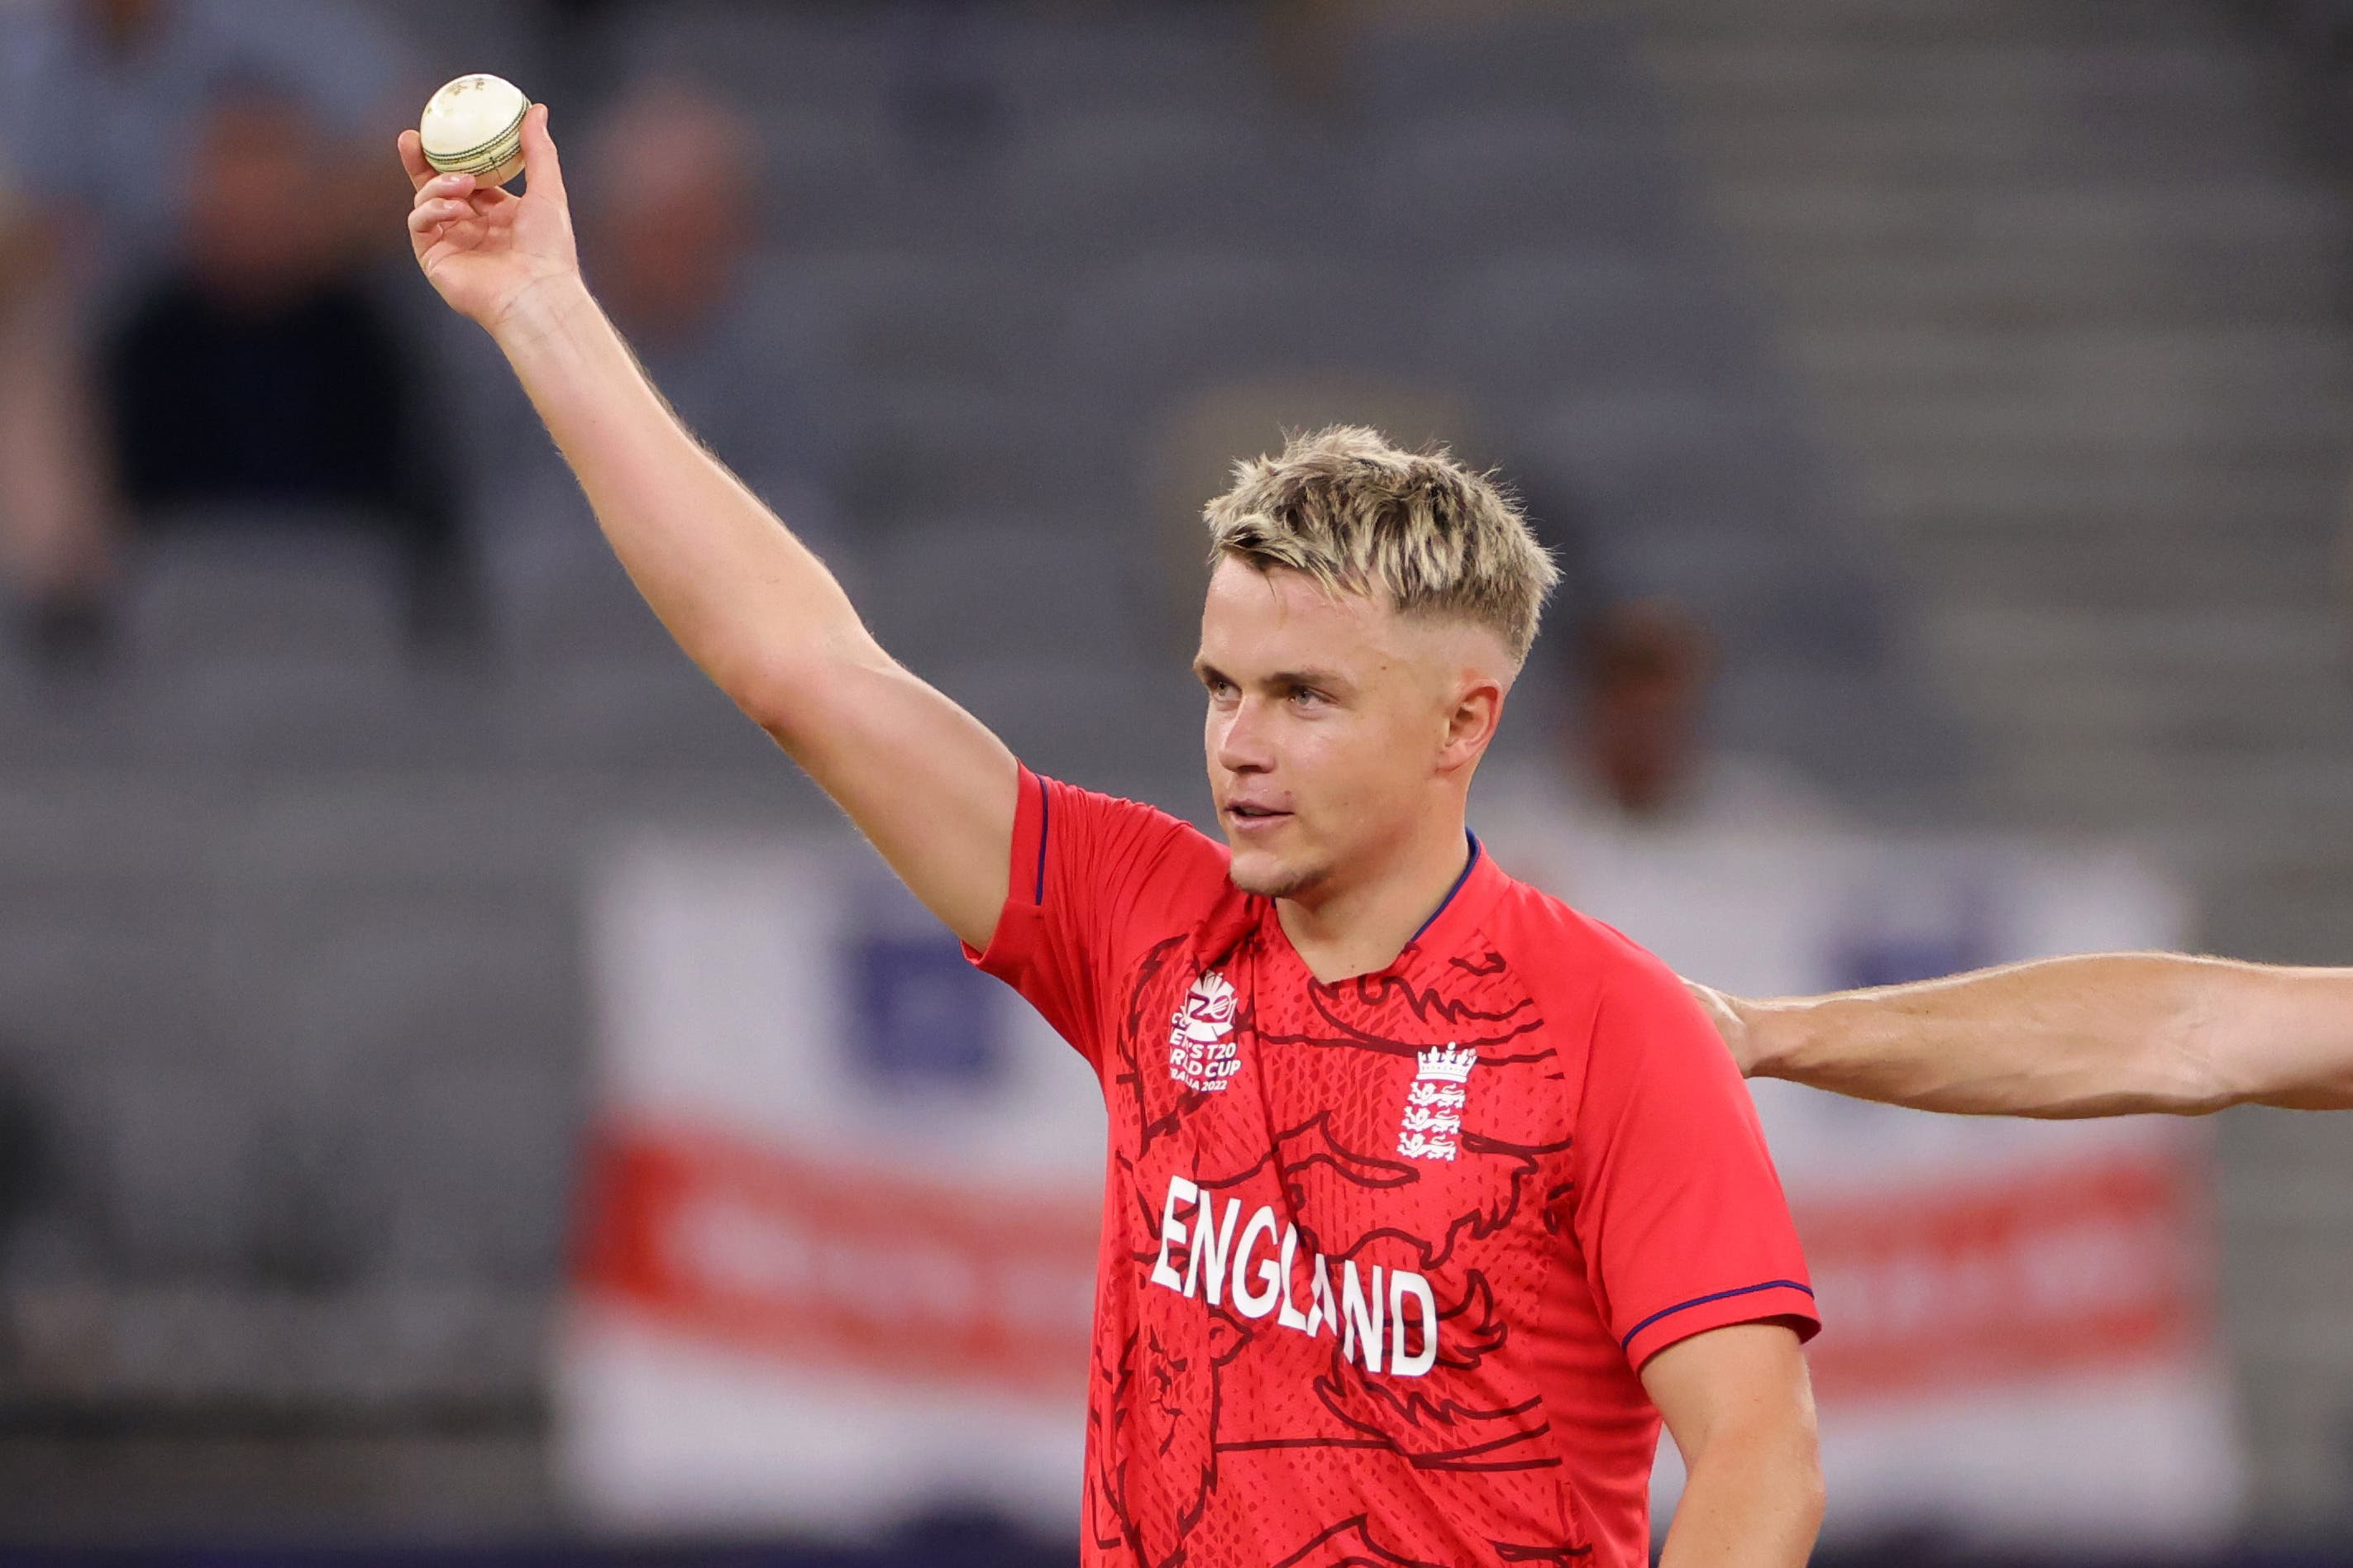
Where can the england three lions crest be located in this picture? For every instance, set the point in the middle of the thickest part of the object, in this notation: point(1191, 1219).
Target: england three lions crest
point(1432, 1127)
point(1202, 1055)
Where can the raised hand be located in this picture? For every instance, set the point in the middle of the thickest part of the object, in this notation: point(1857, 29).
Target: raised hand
point(486, 251)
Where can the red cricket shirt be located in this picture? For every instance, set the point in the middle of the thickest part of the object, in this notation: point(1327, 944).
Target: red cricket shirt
point(1381, 1259)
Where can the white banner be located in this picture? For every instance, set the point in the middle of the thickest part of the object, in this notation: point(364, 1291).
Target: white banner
point(838, 1226)
point(2017, 1341)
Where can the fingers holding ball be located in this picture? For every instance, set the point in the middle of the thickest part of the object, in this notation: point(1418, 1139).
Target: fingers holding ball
point(428, 215)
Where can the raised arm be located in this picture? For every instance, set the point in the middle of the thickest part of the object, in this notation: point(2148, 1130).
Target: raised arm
point(749, 602)
point(2103, 1034)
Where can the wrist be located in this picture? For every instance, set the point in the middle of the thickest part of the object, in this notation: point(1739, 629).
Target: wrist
point(545, 311)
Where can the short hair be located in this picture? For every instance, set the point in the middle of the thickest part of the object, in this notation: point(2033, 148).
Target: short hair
point(1418, 529)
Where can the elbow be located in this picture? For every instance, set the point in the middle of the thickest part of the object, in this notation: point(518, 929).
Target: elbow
point(791, 693)
point(1776, 1466)
point(770, 697)
point(1791, 1493)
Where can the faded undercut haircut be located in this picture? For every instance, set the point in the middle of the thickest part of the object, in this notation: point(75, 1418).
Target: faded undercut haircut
point(1416, 528)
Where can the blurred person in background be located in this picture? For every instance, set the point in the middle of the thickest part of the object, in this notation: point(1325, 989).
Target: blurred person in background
point(1638, 752)
point(672, 239)
point(1630, 766)
point(109, 107)
point(100, 99)
point(55, 525)
point(670, 244)
point(672, 249)
point(256, 374)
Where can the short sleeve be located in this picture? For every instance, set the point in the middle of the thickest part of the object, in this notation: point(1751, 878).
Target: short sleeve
point(1095, 880)
point(1680, 1213)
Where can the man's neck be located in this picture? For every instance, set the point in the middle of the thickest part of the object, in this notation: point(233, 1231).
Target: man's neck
point(1361, 929)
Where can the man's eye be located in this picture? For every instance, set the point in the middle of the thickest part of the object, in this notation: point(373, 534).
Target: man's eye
point(1306, 695)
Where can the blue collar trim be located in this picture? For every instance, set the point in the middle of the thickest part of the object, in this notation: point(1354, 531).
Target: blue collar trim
point(1468, 867)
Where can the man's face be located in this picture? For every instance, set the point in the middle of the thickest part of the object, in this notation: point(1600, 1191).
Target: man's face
point(1335, 725)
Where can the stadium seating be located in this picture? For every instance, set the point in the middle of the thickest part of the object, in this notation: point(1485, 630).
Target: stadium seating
point(290, 947)
point(2067, 284)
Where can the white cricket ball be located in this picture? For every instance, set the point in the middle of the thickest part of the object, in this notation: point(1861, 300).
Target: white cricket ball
point(474, 126)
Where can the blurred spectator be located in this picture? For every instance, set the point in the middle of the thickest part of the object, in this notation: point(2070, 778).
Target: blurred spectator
point(258, 371)
point(666, 191)
point(1644, 670)
point(677, 175)
point(1632, 765)
point(668, 238)
point(53, 530)
point(99, 98)
point(107, 107)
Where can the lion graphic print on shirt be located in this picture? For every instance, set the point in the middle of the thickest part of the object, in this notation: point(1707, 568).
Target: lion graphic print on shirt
point(1381, 1258)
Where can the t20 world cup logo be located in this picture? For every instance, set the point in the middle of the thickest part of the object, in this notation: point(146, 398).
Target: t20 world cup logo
point(1201, 1051)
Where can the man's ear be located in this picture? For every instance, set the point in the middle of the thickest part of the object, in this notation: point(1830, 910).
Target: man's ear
point(1471, 723)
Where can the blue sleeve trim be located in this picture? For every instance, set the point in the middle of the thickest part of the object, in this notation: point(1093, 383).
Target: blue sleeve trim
point(1627, 1343)
point(1045, 798)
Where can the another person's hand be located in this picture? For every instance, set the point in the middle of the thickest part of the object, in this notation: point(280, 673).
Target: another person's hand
point(486, 251)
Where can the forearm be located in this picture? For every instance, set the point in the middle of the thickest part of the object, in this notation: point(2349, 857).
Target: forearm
point(749, 602)
point(929, 785)
point(926, 782)
point(1753, 1500)
point(2103, 1034)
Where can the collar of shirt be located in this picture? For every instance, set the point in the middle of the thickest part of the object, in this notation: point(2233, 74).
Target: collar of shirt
point(1473, 894)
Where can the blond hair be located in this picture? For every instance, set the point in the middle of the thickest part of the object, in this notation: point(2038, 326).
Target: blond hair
point(1361, 516)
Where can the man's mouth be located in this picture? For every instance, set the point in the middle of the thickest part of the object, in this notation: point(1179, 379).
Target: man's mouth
point(1255, 814)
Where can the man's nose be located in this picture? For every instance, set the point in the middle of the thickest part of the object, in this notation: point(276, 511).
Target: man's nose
point(1242, 741)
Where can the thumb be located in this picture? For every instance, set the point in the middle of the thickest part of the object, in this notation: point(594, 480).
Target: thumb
point(539, 165)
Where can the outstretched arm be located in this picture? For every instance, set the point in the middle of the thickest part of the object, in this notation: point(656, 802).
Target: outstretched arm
point(749, 602)
point(2104, 1035)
